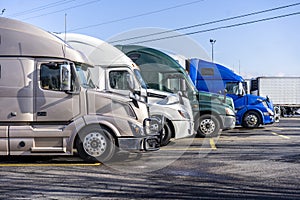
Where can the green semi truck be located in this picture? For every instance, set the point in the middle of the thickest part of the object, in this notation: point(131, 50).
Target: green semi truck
point(212, 112)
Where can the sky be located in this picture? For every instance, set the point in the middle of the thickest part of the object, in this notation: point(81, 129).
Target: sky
point(265, 48)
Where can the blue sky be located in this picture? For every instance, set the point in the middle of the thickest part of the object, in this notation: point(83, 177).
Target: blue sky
point(268, 48)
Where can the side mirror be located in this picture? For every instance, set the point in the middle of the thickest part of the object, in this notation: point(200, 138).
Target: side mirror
point(180, 98)
point(241, 91)
point(65, 77)
point(130, 82)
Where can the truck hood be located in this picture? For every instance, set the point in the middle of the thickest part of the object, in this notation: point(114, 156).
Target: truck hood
point(253, 99)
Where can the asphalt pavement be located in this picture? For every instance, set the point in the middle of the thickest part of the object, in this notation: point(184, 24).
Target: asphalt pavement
point(260, 163)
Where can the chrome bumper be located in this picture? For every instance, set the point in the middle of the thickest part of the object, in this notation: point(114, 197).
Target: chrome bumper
point(149, 143)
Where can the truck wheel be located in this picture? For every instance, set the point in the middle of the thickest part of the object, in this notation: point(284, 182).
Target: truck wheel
point(166, 134)
point(251, 120)
point(95, 143)
point(209, 126)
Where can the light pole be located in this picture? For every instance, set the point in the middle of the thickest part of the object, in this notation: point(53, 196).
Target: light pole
point(212, 49)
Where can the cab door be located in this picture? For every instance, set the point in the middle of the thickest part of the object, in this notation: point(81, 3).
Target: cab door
point(16, 97)
point(16, 90)
point(53, 103)
point(123, 82)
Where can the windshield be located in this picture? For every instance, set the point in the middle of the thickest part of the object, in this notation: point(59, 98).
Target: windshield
point(166, 79)
point(237, 88)
point(161, 72)
point(84, 77)
point(176, 82)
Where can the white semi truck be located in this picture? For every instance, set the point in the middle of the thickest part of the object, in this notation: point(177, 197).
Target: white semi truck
point(50, 106)
point(284, 92)
point(114, 67)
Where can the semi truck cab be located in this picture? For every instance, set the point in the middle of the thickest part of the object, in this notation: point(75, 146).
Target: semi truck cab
point(251, 110)
point(117, 74)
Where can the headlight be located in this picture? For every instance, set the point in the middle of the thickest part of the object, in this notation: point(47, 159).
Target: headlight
point(136, 129)
point(184, 114)
point(229, 111)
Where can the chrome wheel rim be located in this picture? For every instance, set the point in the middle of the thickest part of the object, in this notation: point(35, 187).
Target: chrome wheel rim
point(207, 126)
point(95, 144)
point(251, 120)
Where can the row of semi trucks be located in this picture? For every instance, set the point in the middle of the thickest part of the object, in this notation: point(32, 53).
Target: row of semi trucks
point(68, 93)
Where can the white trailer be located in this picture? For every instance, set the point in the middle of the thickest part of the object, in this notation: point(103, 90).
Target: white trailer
point(284, 92)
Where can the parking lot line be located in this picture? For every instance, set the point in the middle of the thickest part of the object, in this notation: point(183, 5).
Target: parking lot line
point(48, 164)
point(284, 128)
point(212, 144)
point(282, 136)
point(185, 149)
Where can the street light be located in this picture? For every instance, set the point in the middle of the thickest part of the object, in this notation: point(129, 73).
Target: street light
point(212, 49)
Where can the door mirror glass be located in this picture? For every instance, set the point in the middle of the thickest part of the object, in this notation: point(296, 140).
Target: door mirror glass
point(180, 98)
point(130, 82)
point(65, 77)
point(241, 90)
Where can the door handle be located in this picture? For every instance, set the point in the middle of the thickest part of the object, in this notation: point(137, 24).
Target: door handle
point(40, 114)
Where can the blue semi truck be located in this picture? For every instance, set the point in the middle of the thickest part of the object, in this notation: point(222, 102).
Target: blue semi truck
point(251, 111)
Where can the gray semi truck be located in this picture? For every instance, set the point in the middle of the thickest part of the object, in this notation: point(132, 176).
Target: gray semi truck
point(50, 106)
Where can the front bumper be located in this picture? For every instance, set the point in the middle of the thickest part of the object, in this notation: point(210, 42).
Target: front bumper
point(270, 119)
point(183, 128)
point(149, 143)
point(228, 122)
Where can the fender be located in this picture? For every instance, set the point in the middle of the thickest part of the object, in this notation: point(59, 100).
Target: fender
point(96, 119)
point(240, 114)
point(81, 122)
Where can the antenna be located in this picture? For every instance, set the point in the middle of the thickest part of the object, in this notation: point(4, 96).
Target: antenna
point(64, 48)
point(65, 26)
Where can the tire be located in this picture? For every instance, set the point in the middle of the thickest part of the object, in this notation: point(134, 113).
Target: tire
point(95, 143)
point(166, 134)
point(209, 126)
point(251, 120)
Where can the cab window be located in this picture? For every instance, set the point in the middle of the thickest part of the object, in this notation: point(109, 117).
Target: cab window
point(120, 80)
point(50, 76)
